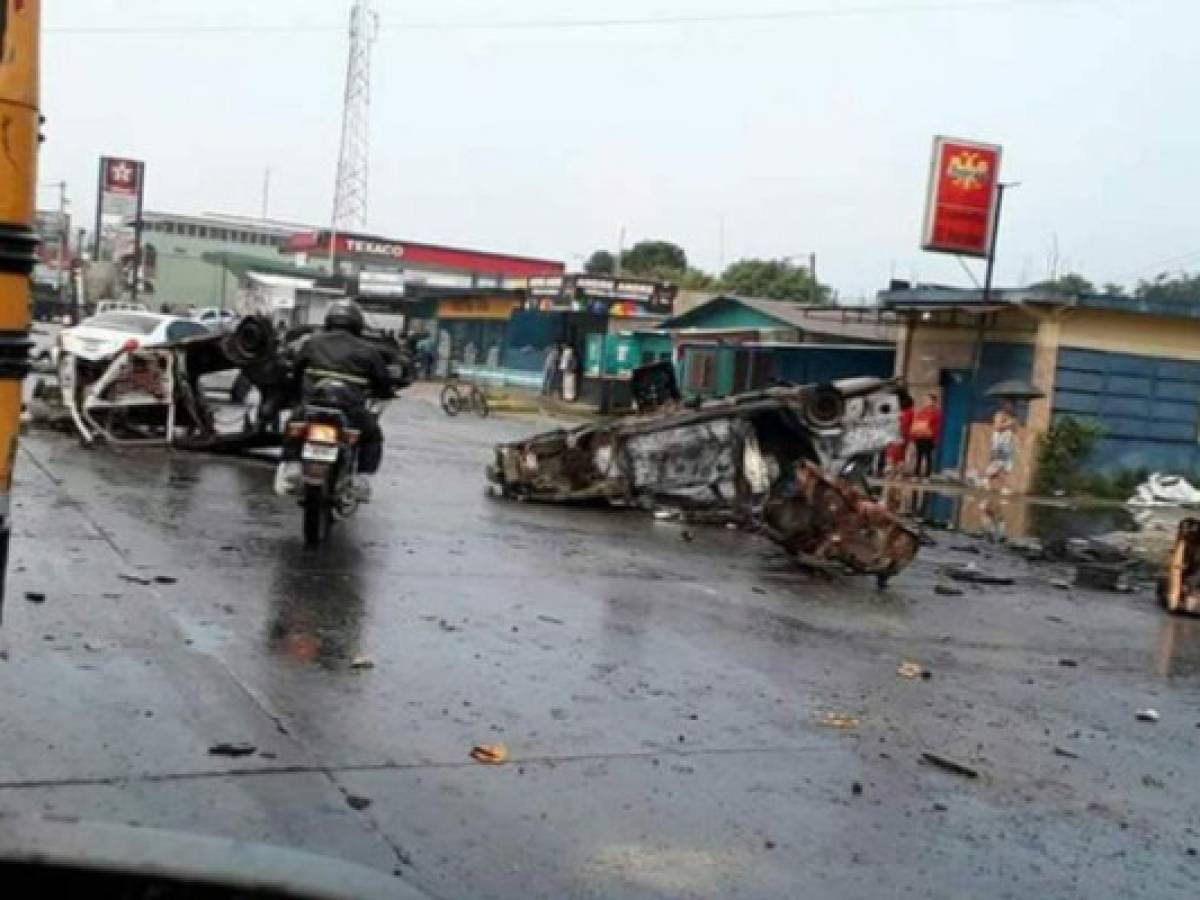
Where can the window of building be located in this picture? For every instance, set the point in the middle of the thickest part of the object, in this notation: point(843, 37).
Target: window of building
point(191, 231)
point(202, 231)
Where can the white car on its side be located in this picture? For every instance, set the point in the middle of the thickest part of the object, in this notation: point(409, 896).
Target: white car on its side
point(104, 336)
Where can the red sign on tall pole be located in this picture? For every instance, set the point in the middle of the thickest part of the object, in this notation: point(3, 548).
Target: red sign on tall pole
point(960, 211)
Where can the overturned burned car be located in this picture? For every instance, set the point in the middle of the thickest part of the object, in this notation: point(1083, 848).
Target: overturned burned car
point(787, 461)
point(133, 393)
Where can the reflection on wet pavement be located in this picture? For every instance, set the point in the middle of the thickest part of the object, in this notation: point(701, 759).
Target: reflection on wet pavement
point(1179, 648)
point(1007, 517)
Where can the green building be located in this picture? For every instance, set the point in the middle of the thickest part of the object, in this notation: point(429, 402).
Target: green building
point(181, 255)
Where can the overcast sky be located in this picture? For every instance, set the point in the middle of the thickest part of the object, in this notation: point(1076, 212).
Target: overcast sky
point(803, 134)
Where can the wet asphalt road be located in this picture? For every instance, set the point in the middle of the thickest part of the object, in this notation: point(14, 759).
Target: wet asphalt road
point(661, 699)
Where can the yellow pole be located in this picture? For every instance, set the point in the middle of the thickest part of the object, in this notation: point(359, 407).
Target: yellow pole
point(20, 126)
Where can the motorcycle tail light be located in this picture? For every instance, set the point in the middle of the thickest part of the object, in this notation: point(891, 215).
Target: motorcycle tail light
point(130, 345)
point(296, 429)
point(352, 437)
point(322, 434)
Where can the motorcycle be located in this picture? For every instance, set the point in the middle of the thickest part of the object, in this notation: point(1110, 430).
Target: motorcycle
point(326, 445)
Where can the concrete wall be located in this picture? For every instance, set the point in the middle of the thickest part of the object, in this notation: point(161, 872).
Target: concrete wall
point(182, 277)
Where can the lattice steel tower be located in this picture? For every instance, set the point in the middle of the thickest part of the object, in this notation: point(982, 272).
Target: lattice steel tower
point(354, 159)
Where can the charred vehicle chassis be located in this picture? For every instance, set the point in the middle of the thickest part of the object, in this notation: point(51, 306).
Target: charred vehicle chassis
point(786, 461)
point(153, 395)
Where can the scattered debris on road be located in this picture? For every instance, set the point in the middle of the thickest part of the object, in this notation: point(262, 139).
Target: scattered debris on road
point(973, 574)
point(1068, 754)
point(841, 721)
point(136, 579)
point(1061, 583)
point(947, 590)
point(232, 749)
point(362, 662)
point(550, 620)
point(35, 597)
point(1164, 490)
point(1147, 715)
point(779, 461)
point(357, 803)
point(1068, 663)
point(949, 765)
point(856, 789)
point(165, 579)
point(911, 670)
point(490, 754)
point(1104, 576)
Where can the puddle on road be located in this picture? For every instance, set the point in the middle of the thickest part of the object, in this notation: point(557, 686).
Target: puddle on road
point(1010, 517)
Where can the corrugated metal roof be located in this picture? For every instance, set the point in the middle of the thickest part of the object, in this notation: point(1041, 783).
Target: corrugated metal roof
point(861, 323)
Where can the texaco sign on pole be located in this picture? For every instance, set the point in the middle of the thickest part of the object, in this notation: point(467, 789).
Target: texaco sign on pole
point(960, 210)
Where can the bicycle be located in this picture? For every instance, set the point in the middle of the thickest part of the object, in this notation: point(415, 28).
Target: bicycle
point(456, 397)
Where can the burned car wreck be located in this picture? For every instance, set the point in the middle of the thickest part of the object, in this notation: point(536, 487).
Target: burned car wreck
point(785, 461)
point(153, 395)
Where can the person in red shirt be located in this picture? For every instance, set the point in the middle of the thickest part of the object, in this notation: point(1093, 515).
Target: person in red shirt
point(897, 453)
point(926, 432)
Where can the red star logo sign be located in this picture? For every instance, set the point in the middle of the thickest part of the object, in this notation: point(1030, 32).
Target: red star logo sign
point(121, 176)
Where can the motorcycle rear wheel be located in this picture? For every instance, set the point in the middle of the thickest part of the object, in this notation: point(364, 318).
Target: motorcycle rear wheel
point(318, 515)
point(451, 401)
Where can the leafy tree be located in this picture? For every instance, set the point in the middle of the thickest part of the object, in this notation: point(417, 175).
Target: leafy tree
point(1072, 284)
point(1063, 453)
point(601, 263)
point(774, 279)
point(696, 280)
point(1181, 289)
point(654, 259)
point(1111, 289)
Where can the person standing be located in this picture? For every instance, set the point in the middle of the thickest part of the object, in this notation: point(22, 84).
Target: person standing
point(1004, 447)
point(570, 375)
point(926, 433)
point(896, 453)
point(550, 370)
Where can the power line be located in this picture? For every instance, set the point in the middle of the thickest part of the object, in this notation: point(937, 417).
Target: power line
point(733, 18)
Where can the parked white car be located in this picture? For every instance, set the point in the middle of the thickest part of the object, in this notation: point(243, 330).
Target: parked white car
point(216, 319)
point(108, 306)
point(104, 336)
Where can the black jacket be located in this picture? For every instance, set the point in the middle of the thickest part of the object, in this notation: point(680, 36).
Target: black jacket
point(342, 353)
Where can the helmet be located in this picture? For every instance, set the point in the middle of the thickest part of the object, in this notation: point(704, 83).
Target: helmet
point(345, 316)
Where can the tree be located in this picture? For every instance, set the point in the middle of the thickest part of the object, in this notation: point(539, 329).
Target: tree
point(601, 263)
point(1111, 289)
point(1181, 289)
point(696, 280)
point(774, 279)
point(654, 259)
point(1072, 285)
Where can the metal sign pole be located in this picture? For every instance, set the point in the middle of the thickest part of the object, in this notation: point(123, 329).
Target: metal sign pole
point(977, 358)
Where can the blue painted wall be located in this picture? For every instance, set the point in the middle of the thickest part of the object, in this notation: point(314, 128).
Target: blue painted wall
point(1001, 362)
point(1149, 408)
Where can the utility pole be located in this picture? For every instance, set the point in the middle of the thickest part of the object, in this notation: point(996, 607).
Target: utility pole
point(977, 357)
point(266, 198)
point(137, 233)
point(20, 33)
point(64, 247)
point(620, 252)
point(812, 273)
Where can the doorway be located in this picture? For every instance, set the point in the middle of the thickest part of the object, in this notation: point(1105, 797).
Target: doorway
point(957, 394)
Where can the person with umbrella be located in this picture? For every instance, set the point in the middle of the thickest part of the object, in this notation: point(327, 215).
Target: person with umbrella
point(1003, 457)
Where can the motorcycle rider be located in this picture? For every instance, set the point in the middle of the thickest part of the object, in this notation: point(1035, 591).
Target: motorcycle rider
point(340, 352)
